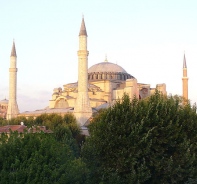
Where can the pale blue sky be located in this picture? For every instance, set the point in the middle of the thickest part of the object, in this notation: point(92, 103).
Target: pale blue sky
point(146, 37)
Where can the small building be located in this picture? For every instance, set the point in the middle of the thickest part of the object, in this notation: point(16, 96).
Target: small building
point(3, 108)
point(22, 128)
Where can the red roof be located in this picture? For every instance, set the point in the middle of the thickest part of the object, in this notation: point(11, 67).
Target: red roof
point(21, 128)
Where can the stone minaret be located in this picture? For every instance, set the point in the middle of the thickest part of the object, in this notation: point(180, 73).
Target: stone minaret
point(12, 111)
point(82, 109)
point(185, 80)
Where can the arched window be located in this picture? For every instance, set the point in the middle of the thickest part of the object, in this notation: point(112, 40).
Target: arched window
point(62, 103)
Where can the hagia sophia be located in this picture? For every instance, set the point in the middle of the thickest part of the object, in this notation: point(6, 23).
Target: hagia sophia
point(98, 86)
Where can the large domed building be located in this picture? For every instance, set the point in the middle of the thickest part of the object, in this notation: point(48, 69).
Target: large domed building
point(107, 82)
point(103, 79)
point(97, 87)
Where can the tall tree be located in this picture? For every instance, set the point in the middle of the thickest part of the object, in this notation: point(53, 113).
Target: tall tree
point(146, 141)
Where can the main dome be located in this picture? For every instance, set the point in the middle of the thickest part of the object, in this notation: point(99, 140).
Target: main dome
point(106, 67)
point(107, 71)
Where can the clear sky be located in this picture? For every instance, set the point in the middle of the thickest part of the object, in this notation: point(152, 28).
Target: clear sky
point(146, 37)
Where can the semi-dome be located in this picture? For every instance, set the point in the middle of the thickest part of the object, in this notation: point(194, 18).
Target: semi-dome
point(106, 67)
point(4, 101)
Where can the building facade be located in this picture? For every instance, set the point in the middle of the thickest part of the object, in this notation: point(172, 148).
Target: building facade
point(98, 87)
point(3, 108)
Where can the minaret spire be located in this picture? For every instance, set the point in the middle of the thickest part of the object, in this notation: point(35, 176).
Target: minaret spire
point(83, 28)
point(82, 108)
point(13, 52)
point(185, 81)
point(184, 62)
point(12, 111)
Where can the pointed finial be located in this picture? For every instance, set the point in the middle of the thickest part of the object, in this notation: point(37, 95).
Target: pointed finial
point(13, 52)
point(106, 58)
point(184, 61)
point(83, 28)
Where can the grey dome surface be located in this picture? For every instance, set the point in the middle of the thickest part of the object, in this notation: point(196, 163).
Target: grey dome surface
point(106, 67)
point(4, 101)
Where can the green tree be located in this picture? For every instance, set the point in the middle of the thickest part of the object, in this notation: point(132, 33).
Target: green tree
point(70, 121)
point(146, 141)
point(3, 121)
point(39, 158)
point(60, 126)
point(17, 121)
point(65, 128)
point(51, 121)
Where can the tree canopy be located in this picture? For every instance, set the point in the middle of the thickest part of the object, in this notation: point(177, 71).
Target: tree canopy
point(38, 158)
point(143, 141)
point(43, 157)
point(153, 140)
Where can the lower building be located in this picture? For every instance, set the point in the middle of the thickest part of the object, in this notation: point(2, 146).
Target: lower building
point(3, 108)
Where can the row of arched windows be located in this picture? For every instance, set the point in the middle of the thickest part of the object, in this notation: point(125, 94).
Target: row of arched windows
point(109, 76)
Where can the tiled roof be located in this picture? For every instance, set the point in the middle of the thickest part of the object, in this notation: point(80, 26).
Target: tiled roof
point(48, 111)
point(74, 87)
point(8, 128)
point(21, 128)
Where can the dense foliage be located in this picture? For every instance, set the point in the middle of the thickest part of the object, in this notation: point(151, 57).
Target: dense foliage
point(146, 141)
point(139, 141)
point(42, 157)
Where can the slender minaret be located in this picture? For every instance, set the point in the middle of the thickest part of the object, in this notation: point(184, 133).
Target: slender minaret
point(82, 109)
point(12, 111)
point(185, 81)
